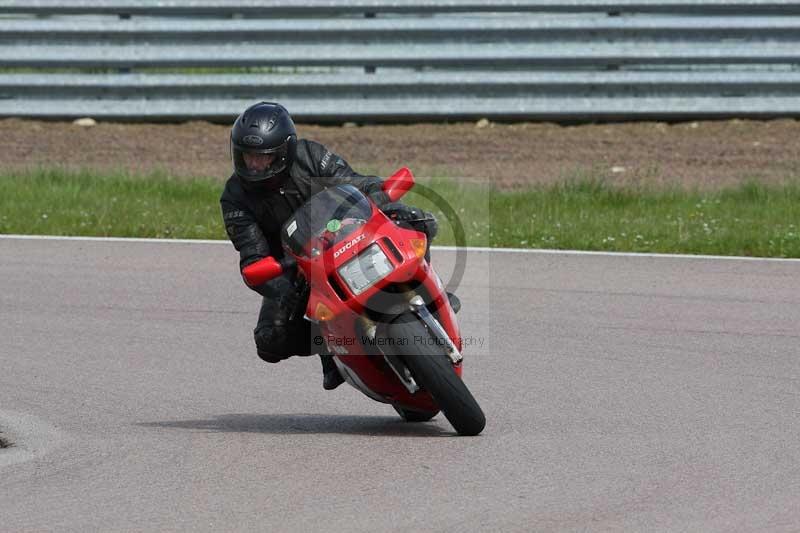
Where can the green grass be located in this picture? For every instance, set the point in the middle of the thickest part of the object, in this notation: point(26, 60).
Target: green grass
point(52, 202)
point(749, 220)
point(752, 219)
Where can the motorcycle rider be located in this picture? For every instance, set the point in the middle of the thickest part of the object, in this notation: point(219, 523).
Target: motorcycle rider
point(274, 174)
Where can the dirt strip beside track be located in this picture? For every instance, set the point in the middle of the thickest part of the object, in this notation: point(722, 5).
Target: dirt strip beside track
point(704, 154)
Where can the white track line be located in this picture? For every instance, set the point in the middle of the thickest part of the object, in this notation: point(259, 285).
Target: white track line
point(441, 248)
point(614, 254)
point(112, 239)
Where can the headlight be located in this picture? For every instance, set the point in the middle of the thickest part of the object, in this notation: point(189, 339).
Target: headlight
point(366, 269)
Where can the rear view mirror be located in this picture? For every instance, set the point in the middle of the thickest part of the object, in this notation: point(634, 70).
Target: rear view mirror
point(398, 184)
point(261, 271)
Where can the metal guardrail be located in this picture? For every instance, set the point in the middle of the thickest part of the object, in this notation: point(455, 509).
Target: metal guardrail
point(330, 60)
point(283, 8)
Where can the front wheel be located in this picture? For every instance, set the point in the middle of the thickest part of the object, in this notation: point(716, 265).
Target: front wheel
point(433, 371)
point(414, 416)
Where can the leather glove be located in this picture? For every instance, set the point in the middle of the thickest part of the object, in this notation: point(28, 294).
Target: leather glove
point(380, 198)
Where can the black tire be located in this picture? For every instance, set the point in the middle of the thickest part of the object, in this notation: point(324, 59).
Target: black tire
point(433, 371)
point(414, 416)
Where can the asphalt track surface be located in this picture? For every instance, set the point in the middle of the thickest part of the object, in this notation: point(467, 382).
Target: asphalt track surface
point(622, 393)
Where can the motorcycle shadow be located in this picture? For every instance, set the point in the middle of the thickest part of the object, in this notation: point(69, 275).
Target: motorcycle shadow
point(307, 423)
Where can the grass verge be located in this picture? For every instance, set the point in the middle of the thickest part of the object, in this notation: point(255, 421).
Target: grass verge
point(750, 220)
point(53, 202)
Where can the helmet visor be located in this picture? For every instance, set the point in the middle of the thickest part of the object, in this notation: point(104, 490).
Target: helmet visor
point(259, 165)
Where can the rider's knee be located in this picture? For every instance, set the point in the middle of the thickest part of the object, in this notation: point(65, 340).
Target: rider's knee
point(269, 348)
point(271, 357)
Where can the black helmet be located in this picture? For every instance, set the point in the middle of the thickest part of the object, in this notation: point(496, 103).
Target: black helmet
point(264, 129)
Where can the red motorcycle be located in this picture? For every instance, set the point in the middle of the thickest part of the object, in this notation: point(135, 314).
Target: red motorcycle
point(381, 309)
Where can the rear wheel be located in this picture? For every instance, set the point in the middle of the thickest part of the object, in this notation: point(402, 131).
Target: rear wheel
point(433, 371)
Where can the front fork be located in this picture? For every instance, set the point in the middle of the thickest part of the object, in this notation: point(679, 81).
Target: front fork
point(417, 306)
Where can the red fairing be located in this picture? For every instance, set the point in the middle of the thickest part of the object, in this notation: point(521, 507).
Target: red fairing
point(398, 184)
point(261, 271)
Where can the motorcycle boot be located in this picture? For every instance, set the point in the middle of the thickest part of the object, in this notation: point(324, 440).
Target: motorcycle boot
point(331, 378)
point(455, 302)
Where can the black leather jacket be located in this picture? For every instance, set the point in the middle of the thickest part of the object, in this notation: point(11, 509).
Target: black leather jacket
point(253, 217)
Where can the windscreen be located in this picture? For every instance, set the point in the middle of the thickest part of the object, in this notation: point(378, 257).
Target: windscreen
point(327, 218)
